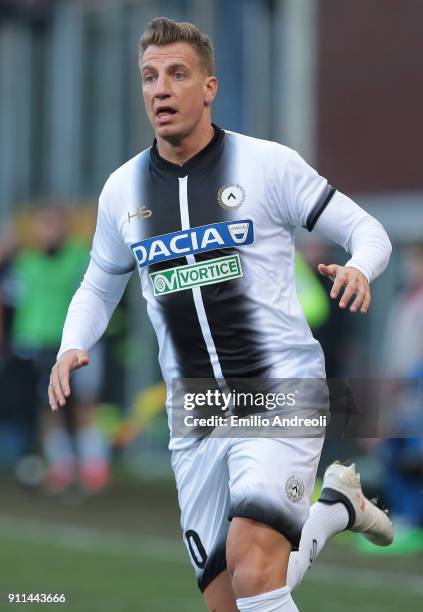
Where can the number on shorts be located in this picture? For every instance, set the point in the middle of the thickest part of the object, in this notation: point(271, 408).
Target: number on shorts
point(198, 552)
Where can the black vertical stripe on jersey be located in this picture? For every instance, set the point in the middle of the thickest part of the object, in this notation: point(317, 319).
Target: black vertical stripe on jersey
point(161, 192)
point(230, 321)
point(227, 309)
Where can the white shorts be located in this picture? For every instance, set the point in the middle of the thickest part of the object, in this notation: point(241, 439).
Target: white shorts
point(269, 480)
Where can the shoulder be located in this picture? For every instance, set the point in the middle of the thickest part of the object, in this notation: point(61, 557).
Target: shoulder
point(126, 174)
point(259, 146)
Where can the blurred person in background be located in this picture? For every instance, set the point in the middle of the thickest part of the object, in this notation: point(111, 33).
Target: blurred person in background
point(13, 428)
point(403, 455)
point(244, 502)
point(328, 323)
point(8, 248)
point(44, 279)
point(311, 294)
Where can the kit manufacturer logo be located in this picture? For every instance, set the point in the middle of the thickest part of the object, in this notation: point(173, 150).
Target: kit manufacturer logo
point(141, 213)
point(194, 240)
point(196, 275)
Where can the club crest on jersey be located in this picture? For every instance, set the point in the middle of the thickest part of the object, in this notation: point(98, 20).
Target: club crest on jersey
point(194, 240)
point(232, 196)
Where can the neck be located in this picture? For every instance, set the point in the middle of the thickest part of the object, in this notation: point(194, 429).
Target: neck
point(180, 150)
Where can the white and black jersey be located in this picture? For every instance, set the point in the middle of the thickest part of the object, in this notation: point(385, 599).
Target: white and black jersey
point(213, 243)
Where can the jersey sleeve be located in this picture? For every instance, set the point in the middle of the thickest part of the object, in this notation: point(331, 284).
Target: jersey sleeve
point(346, 223)
point(91, 308)
point(303, 193)
point(109, 250)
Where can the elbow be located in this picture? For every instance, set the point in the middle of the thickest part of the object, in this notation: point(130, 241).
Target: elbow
point(371, 240)
point(385, 250)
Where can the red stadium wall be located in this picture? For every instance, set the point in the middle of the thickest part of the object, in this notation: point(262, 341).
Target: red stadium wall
point(370, 94)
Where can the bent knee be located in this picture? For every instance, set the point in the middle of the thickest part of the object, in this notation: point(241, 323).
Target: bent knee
point(257, 557)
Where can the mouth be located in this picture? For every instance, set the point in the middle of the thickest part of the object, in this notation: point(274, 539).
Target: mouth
point(164, 112)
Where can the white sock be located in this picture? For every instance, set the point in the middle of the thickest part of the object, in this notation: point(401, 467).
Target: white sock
point(274, 601)
point(324, 521)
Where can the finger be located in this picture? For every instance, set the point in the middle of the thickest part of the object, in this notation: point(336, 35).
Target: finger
point(367, 301)
point(349, 291)
point(54, 389)
point(51, 398)
point(57, 385)
point(339, 282)
point(82, 361)
point(64, 378)
point(359, 299)
point(327, 270)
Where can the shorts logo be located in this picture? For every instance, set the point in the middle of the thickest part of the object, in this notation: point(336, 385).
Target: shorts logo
point(196, 240)
point(294, 488)
point(232, 196)
point(196, 275)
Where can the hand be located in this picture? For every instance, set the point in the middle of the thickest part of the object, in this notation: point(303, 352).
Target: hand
point(59, 387)
point(355, 283)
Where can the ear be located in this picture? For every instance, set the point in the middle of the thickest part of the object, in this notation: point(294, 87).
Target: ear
point(211, 86)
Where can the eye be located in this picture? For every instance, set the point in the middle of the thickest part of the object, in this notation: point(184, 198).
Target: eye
point(179, 76)
point(148, 78)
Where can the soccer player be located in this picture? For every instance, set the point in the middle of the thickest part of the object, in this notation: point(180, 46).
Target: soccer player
point(207, 217)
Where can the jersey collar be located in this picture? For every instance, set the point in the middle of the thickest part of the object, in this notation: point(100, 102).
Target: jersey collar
point(201, 160)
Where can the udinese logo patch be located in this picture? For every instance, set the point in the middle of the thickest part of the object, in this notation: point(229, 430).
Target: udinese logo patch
point(231, 196)
point(294, 488)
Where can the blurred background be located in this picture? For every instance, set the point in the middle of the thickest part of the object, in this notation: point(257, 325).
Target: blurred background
point(87, 500)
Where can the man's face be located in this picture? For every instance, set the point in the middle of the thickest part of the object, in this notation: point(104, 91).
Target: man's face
point(177, 92)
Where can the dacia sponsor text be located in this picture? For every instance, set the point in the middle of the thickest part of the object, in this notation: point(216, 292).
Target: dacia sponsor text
point(194, 240)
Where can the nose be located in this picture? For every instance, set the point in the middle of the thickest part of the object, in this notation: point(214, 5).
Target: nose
point(162, 87)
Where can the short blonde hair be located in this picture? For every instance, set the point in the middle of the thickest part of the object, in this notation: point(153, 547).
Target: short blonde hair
point(163, 31)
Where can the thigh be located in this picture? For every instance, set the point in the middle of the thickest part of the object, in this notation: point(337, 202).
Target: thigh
point(202, 481)
point(219, 595)
point(271, 481)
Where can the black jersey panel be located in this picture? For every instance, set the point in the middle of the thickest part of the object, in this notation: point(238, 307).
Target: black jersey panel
point(232, 328)
point(161, 194)
point(227, 308)
point(228, 312)
point(184, 327)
